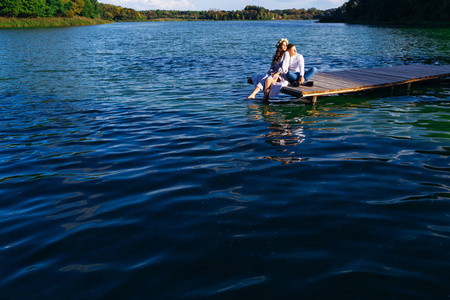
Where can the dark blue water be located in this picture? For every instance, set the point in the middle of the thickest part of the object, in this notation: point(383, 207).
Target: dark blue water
point(133, 167)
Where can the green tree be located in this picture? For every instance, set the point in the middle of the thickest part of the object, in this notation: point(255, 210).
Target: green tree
point(394, 11)
point(54, 8)
point(22, 8)
point(90, 9)
point(10, 8)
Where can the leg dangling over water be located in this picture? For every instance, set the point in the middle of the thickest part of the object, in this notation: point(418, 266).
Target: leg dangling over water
point(253, 94)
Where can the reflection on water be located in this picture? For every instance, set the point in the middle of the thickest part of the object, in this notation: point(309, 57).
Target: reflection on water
point(83, 268)
point(283, 133)
point(290, 125)
point(80, 208)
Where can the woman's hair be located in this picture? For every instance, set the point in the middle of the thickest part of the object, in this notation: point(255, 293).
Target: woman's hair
point(281, 41)
point(279, 54)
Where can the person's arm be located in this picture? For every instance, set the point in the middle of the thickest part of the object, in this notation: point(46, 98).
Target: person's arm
point(285, 65)
point(302, 68)
point(276, 75)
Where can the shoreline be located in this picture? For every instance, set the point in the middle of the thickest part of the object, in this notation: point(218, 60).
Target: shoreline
point(6, 22)
point(49, 22)
point(394, 24)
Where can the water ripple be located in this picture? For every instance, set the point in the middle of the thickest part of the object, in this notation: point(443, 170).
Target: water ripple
point(131, 168)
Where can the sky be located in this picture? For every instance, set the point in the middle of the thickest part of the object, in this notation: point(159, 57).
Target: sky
point(223, 5)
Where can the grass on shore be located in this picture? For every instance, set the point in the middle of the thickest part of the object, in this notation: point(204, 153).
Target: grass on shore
point(49, 22)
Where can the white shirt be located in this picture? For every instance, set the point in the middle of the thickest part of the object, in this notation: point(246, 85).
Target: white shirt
point(295, 63)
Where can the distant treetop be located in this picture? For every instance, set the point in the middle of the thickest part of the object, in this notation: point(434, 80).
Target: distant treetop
point(48, 8)
point(392, 11)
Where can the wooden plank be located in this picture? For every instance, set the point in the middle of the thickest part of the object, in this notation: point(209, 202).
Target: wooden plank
point(410, 71)
point(385, 74)
point(422, 71)
point(330, 84)
point(321, 87)
point(408, 74)
point(324, 81)
point(424, 67)
point(298, 92)
point(363, 80)
point(351, 86)
point(335, 84)
point(373, 75)
point(398, 75)
point(329, 78)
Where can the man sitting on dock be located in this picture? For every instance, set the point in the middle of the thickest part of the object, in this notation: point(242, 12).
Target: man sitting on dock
point(294, 68)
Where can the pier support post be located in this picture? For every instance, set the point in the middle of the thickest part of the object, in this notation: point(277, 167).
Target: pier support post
point(408, 88)
point(309, 100)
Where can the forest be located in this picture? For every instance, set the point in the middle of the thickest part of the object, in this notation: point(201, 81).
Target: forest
point(93, 9)
point(392, 12)
point(356, 11)
point(250, 12)
point(48, 8)
point(117, 13)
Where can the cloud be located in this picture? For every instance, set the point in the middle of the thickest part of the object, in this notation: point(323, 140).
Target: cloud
point(336, 3)
point(154, 4)
point(320, 4)
point(325, 4)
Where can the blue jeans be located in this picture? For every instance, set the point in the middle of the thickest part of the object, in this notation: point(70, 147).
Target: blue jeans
point(291, 76)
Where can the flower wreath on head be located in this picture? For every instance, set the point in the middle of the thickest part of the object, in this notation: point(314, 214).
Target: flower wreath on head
point(281, 42)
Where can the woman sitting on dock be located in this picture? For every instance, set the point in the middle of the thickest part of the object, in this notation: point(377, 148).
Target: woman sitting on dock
point(264, 82)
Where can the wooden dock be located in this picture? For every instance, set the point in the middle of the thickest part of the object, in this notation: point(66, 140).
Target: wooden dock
point(329, 83)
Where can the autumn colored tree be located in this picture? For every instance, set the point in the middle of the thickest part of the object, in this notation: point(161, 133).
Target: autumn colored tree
point(250, 12)
point(112, 12)
point(73, 7)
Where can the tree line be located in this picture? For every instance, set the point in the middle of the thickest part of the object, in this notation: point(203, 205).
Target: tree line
point(362, 11)
point(250, 12)
point(392, 11)
point(48, 8)
point(93, 9)
point(116, 13)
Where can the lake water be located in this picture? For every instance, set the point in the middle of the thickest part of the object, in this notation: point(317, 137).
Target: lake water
point(133, 167)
